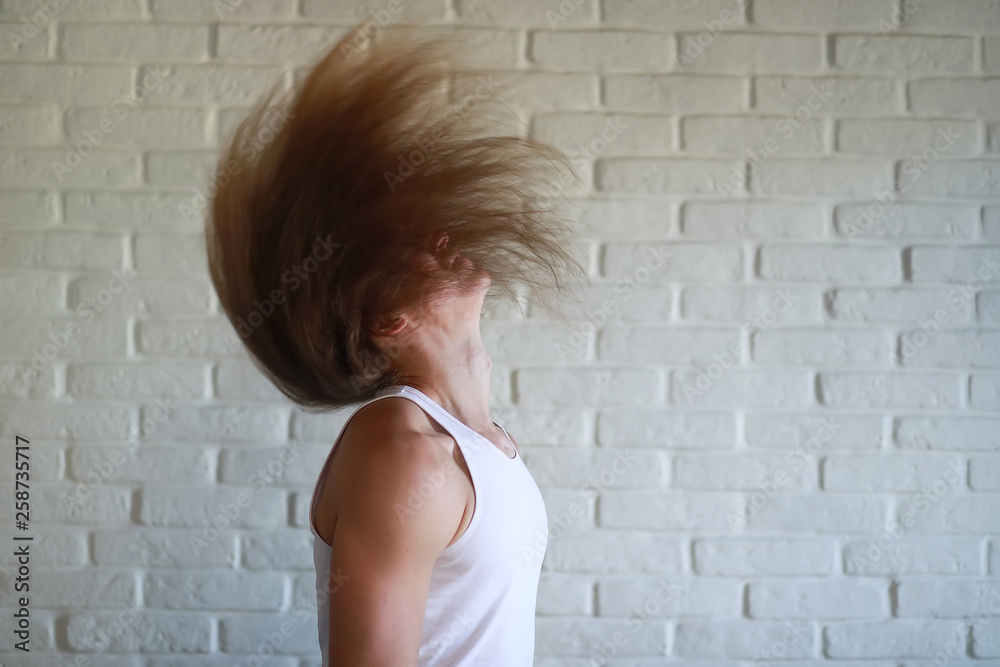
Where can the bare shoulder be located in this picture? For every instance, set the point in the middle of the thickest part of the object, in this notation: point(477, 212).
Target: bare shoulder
point(386, 453)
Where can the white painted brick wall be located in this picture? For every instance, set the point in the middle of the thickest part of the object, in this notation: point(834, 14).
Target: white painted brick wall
point(810, 479)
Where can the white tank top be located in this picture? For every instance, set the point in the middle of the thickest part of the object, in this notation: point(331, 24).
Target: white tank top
point(481, 603)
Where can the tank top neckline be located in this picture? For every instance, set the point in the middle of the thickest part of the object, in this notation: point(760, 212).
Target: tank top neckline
point(461, 424)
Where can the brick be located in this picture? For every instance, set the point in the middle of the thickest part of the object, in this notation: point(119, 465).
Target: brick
point(148, 632)
point(145, 463)
point(812, 434)
point(154, 127)
point(874, 220)
point(985, 392)
point(819, 15)
point(292, 464)
point(138, 211)
point(532, 342)
point(988, 306)
point(525, 14)
point(890, 639)
point(121, 42)
point(286, 549)
point(63, 84)
point(949, 179)
point(884, 473)
point(564, 595)
point(674, 93)
point(52, 505)
point(953, 513)
point(673, 430)
point(61, 338)
point(953, 96)
point(745, 388)
point(30, 126)
point(840, 263)
point(621, 301)
point(194, 423)
point(244, 591)
point(76, 420)
point(24, 40)
point(228, 11)
point(689, 262)
point(244, 633)
point(544, 91)
point(32, 293)
point(760, 556)
point(574, 636)
point(243, 381)
point(738, 472)
point(751, 137)
point(669, 597)
point(666, 510)
point(621, 218)
point(712, 15)
point(26, 208)
point(902, 53)
point(840, 178)
point(156, 297)
point(951, 434)
point(660, 176)
point(891, 390)
point(751, 53)
point(802, 97)
point(203, 507)
point(180, 170)
point(172, 254)
point(111, 10)
point(663, 344)
point(950, 599)
point(597, 470)
point(788, 511)
point(99, 590)
point(592, 135)
point(161, 548)
point(591, 387)
point(627, 552)
point(955, 264)
point(753, 306)
point(908, 555)
point(52, 167)
point(901, 137)
point(742, 639)
point(16, 383)
point(273, 43)
point(817, 347)
point(605, 50)
point(949, 349)
point(976, 16)
point(751, 219)
point(214, 84)
point(778, 599)
point(202, 339)
point(904, 304)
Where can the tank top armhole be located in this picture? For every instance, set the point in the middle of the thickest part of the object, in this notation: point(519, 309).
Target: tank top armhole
point(431, 410)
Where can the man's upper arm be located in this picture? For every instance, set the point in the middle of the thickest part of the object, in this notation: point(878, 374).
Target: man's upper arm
point(385, 545)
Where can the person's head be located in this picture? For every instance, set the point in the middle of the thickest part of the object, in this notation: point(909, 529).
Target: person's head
point(364, 200)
